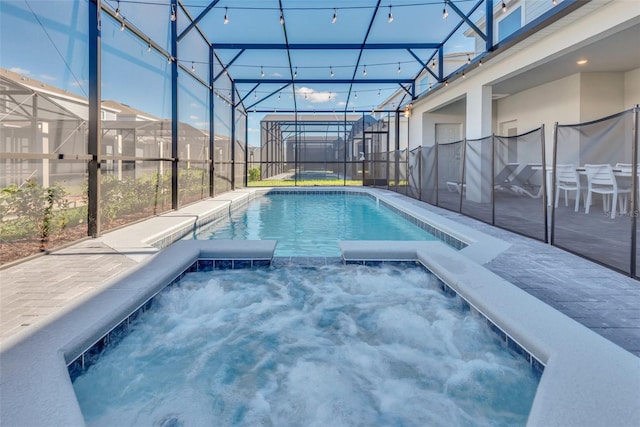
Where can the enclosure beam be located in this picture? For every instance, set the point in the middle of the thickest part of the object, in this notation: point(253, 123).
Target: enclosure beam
point(95, 124)
point(327, 46)
point(332, 81)
point(196, 20)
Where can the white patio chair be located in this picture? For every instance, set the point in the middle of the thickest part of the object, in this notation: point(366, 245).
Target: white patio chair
point(601, 180)
point(625, 177)
point(567, 179)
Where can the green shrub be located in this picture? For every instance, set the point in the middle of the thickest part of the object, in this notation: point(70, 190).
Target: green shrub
point(34, 209)
point(254, 174)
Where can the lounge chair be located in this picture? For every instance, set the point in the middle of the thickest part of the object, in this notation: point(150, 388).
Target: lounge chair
point(520, 184)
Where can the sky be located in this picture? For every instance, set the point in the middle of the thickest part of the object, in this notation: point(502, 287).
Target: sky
point(47, 40)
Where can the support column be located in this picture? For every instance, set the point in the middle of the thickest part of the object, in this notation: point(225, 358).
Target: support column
point(478, 163)
point(174, 108)
point(95, 124)
point(212, 167)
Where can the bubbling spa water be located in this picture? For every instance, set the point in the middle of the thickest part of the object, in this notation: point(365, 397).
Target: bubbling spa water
point(335, 345)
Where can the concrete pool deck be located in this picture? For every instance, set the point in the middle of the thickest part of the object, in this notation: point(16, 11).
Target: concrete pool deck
point(44, 290)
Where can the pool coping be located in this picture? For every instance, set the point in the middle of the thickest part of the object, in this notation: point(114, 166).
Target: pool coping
point(587, 380)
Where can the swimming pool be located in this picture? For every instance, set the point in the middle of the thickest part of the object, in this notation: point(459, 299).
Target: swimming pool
point(311, 224)
point(333, 345)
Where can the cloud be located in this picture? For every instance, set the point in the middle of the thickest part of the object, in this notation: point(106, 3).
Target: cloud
point(202, 124)
point(313, 96)
point(81, 83)
point(47, 77)
point(276, 74)
point(342, 103)
point(253, 130)
point(19, 70)
point(194, 117)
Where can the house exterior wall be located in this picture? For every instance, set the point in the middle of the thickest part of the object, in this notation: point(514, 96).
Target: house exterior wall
point(631, 88)
point(569, 100)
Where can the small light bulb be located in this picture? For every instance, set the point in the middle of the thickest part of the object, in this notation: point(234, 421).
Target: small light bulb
point(118, 10)
point(261, 71)
point(390, 15)
point(504, 7)
point(433, 64)
point(378, 92)
point(555, 2)
point(295, 73)
point(468, 60)
point(331, 71)
point(122, 25)
point(446, 83)
point(149, 47)
point(193, 67)
point(335, 16)
point(480, 63)
point(364, 70)
point(399, 69)
point(226, 16)
point(281, 18)
point(355, 95)
point(173, 13)
point(464, 76)
point(445, 14)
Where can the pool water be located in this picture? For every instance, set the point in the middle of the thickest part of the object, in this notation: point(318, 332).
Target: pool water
point(312, 225)
point(334, 345)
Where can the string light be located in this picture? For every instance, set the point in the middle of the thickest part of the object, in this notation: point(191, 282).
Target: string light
point(149, 47)
point(281, 18)
point(504, 7)
point(480, 63)
point(468, 59)
point(446, 83)
point(364, 70)
point(226, 16)
point(433, 64)
point(193, 67)
point(390, 15)
point(261, 71)
point(331, 71)
point(445, 14)
point(173, 13)
point(295, 73)
point(118, 10)
point(464, 76)
point(399, 69)
point(335, 16)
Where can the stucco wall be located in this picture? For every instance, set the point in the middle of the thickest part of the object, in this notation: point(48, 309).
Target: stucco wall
point(631, 88)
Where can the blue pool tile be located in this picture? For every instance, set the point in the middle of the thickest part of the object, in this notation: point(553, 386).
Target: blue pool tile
point(223, 264)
